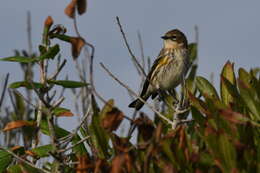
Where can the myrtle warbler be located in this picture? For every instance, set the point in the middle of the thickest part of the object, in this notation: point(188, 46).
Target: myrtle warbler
point(168, 70)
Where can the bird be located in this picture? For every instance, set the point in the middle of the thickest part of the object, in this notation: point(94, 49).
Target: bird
point(169, 68)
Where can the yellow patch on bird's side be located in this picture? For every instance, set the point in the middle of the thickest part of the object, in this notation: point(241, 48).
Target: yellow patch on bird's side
point(162, 62)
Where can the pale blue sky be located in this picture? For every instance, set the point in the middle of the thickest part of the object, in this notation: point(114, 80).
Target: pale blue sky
point(228, 30)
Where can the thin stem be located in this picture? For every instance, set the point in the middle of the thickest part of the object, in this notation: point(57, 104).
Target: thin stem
point(23, 160)
point(136, 95)
point(4, 90)
point(79, 142)
point(139, 67)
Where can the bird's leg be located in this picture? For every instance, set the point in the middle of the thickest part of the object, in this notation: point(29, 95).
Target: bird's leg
point(182, 105)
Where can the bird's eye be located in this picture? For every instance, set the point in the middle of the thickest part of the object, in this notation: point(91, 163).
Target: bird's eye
point(173, 38)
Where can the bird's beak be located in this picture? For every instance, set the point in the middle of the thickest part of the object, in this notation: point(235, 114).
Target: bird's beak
point(164, 37)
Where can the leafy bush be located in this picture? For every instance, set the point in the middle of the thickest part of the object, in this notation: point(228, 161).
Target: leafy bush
point(217, 132)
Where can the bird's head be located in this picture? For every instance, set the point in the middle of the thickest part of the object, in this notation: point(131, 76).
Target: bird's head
point(175, 39)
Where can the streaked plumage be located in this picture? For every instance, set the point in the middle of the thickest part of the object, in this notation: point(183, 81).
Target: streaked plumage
point(168, 69)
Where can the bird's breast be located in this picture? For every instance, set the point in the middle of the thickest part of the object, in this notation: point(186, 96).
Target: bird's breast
point(173, 73)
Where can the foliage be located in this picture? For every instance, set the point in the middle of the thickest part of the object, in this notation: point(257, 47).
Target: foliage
point(220, 131)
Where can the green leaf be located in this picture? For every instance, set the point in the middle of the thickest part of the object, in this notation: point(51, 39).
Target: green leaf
point(20, 59)
point(79, 149)
point(108, 107)
point(206, 88)
point(5, 160)
point(43, 151)
point(193, 51)
point(50, 54)
point(97, 133)
point(26, 84)
point(190, 81)
point(68, 83)
point(227, 151)
point(14, 169)
point(248, 96)
point(59, 132)
point(19, 102)
point(229, 74)
point(28, 168)
point(59, 111)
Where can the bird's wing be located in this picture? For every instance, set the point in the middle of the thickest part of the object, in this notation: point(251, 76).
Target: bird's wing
point(159, 62)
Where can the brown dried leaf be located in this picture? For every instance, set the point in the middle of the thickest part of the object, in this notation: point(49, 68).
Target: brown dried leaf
point(30, 153)
point(182, 137)
point(232, 116)
point(84, 164)
point(16, 147)
point(129, 162)
point(48, 22)
point(76, 45)
point(65, 114)
point(81, 6)
point(168, 168)
point(70, 9)
point(122, 162)
point(121, 144)
point(17, 124)
point(145, 126)
point(112, 119)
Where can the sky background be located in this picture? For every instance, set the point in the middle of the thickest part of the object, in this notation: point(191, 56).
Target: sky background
point(228, 30)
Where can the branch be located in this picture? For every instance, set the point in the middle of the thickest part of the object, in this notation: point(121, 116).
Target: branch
point(136, 95)
point(4, 90)
point(79, 142)
point(23, 160)
point(134, 59)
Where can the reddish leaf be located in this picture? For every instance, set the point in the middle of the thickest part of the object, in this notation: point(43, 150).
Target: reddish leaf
point(70, 9)
point(120, 162)
point(30, 153)
point(121, 144)
point(117, 164)
point(83, 165)
point(77, 44)
point(62, 112)
point(112, 119)
point(232, 116)
point(145, 126)
point(81, 6)
point(16, 147)
point(48, 22)
point(17, 124)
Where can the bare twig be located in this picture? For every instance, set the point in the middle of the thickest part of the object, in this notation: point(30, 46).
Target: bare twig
point(53, 77)
point(71, 135)
point(23, 160)
point(4, 90)
point(29, 33)
point(141, 49)
point(139, 68)
point(58, 102)
point(136, 95)
point(79, 142)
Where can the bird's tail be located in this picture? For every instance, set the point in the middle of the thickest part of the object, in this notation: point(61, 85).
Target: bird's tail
point(138, 104)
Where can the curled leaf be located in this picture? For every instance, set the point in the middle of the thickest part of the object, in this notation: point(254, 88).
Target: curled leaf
point(17, 124)
point(229, 74)
point(67, 83)
point(76, 45)
point(48, 22)
point(70, 9)
point(232, 116)
point(62, 112)
point(20, 59)
point(81, 6)
point(112, 119)
point(145, 127)
point(26, 84)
